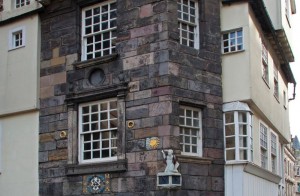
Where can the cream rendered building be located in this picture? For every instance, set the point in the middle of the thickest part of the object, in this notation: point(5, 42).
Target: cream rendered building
point(256, 51)
point(19, 84)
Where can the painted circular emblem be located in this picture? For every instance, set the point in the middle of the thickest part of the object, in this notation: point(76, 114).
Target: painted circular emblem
point(152, 143)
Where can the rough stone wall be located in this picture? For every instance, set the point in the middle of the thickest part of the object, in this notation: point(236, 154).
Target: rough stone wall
point(160, 74)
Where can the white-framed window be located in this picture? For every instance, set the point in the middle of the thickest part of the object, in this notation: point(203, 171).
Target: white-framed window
point(265, 64)
point(284, 99)
point(188, 22)
point(263, 146)
point(238, 136)
point(190, 122)
point(21, 3)
point(16, 38)
point(98, 126)
point(276, 85)
point(274, 152)
point(232, 41)
point(287, 10)
point(99, 24)
point(297, 170)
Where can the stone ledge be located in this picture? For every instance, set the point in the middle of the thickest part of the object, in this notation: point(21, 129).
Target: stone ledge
point(191, 159)
point(115, 166)
point(95, 61)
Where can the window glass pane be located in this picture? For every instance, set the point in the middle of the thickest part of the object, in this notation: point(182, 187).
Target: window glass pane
point(229, 117)
point(242, 117)
point(243, 129)
point(243, 154)
point(86, 155)
point(87, 146)
point(229, 130)
point(230, 155)
point(96, 136)
point(243, 141)
point(230, 142)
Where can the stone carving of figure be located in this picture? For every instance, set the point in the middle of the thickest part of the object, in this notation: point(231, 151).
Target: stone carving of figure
point(172, 163)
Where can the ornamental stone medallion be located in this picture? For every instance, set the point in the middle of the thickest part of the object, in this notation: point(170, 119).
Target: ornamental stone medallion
point(96, 184)
point(152, 143)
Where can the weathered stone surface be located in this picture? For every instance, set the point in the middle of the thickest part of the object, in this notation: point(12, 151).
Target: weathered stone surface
point(161, 108)
point(157, 74)
point(138, 61)
point(137, 112)
point(58, 155)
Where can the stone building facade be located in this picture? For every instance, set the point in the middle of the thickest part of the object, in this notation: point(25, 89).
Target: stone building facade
point(110, 105)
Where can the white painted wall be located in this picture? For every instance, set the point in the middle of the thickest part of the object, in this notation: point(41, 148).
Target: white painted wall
point(19, 150)
point(242, 71)
point(19, 116)
point(259, 187)
point(19, 68)
point(240, 183)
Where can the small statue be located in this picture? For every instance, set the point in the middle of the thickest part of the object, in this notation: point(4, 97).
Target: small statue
point(170, 160)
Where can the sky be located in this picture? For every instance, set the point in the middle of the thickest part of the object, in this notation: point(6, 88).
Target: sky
point(294, 106)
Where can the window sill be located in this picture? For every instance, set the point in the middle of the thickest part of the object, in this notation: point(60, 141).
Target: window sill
point(194, 159)
point(266, 82)
point(15, 48)
point(277, 99)
point(115, 166)
point(95, 61)
point(239, 51)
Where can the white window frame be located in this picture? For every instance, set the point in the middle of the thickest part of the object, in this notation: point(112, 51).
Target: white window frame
point(235, 43)
point(237, 136)
point(265, 62)
point(274, 151)
point(297, 170)
point(12, 38)
point(183, 125)
point(284, 99)
point(21, 3)
point(264, 145)
point(99, 42)
point(191, 22)
point(276, 83)
point(81, 132)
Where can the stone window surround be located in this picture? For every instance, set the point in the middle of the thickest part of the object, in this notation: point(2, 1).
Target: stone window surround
point(85, 127)
point(73, 100)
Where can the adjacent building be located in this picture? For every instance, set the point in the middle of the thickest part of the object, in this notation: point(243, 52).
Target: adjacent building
point(256, 53)
point(19, 92)
point(289, 170)
point(120, 82)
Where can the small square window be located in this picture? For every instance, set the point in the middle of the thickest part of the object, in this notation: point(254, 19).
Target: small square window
point(232, 41)
point(17, 38)
point(21, 3)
